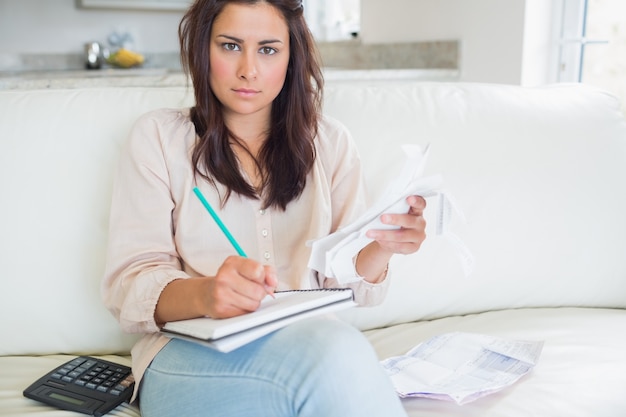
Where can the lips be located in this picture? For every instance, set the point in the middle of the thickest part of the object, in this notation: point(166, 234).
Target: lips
point(246, 92)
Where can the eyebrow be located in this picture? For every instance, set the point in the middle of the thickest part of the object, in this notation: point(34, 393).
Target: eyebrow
point(263, 42)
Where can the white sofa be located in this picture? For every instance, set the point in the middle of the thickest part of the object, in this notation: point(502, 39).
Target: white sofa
point(540, 175)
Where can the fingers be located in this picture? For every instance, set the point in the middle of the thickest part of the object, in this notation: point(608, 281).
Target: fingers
point(412, 219)
point(417, 205)
point(410, 232)
point(239, 286)
point(271, 280)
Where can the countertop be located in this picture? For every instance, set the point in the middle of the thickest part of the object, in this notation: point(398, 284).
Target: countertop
point(156, 77)
point(109, 77)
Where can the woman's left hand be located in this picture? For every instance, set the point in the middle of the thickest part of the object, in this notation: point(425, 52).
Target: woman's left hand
point(411, 232)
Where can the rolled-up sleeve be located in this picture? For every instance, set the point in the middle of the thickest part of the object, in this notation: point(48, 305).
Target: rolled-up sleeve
point(141, 256)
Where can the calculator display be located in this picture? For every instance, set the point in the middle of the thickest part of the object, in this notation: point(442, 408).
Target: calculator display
point(65, 398)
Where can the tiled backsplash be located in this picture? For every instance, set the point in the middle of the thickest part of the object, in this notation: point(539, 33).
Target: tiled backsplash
point(409, 55)
point(346, 54)
point(73, 62)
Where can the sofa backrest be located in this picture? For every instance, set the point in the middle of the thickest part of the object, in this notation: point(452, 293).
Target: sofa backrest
point(58, 151)
point(538, 173)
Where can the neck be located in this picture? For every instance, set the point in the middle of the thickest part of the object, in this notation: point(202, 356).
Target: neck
point(250, 129)
point(250, 133)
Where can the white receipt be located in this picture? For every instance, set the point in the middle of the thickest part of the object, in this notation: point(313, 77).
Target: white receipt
point(332, 255)
point(461, 367)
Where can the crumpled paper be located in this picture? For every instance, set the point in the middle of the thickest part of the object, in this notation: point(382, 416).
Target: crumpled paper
point(333, 255)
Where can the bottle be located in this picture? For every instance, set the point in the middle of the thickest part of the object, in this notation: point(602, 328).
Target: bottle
point(93, 55)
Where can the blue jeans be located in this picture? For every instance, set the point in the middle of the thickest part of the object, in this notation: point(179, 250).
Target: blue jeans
point(313, 368)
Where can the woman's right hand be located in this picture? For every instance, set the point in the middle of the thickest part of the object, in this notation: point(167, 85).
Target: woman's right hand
point(238, 288)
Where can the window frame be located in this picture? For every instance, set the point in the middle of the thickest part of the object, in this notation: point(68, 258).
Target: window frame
point(573, 39)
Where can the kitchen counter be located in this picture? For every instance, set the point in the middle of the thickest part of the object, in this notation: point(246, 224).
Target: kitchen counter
point(108, 77)
point(141, 77)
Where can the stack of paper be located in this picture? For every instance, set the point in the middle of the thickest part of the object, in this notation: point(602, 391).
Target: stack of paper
point(461, 367)
point(332, 255)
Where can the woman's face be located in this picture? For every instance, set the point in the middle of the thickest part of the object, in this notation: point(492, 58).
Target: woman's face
point(249, 55)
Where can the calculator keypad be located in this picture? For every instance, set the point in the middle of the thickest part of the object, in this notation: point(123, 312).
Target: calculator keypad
point(95, 375)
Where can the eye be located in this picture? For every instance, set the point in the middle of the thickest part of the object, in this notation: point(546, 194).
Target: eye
point(266, 50)
point(228, 46)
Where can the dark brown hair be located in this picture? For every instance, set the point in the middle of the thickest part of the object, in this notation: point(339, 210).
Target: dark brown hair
point(289, 152)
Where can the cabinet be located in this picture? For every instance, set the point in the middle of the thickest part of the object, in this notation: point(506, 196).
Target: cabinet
point(135, 4)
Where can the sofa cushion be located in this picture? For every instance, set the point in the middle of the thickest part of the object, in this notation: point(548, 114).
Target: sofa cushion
point(57, 158)
point(539, 174)
point(581, 371)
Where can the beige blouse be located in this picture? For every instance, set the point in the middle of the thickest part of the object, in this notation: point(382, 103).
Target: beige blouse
point(159, 230)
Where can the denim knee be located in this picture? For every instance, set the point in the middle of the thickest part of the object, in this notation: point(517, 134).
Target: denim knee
point(338, 373)
point(311, 368)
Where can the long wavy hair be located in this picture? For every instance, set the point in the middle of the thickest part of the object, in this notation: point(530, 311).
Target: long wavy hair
point(288, 154)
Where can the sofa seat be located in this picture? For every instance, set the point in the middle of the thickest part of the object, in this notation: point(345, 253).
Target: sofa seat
point(581, 366)
point(568, 380)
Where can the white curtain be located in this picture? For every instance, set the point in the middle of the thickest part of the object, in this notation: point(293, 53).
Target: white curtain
point(332, 20)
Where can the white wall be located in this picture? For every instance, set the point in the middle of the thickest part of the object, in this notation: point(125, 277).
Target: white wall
point(58, 26)
point(490, 31)
point(541, 34)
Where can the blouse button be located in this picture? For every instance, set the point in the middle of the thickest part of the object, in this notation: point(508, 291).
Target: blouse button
point(266, 255)
point(264, 233)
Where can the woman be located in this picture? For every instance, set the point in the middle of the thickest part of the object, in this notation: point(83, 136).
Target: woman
point(257, 146)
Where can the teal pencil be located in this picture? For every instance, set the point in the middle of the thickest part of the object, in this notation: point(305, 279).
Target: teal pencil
point(219, 222)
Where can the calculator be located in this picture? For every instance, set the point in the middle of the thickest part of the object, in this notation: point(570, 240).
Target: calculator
point(86, 385)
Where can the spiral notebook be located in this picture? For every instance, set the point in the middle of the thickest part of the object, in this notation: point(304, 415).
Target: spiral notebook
point(274, 313)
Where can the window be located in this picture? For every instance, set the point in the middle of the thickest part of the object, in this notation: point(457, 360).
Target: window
point(593, 44)
point(333, 20)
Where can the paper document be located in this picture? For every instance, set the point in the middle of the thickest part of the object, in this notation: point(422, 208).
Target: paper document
point(332, 255)
point(461, 367)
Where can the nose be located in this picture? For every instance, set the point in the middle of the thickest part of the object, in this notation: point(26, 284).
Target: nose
point(248, 66)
